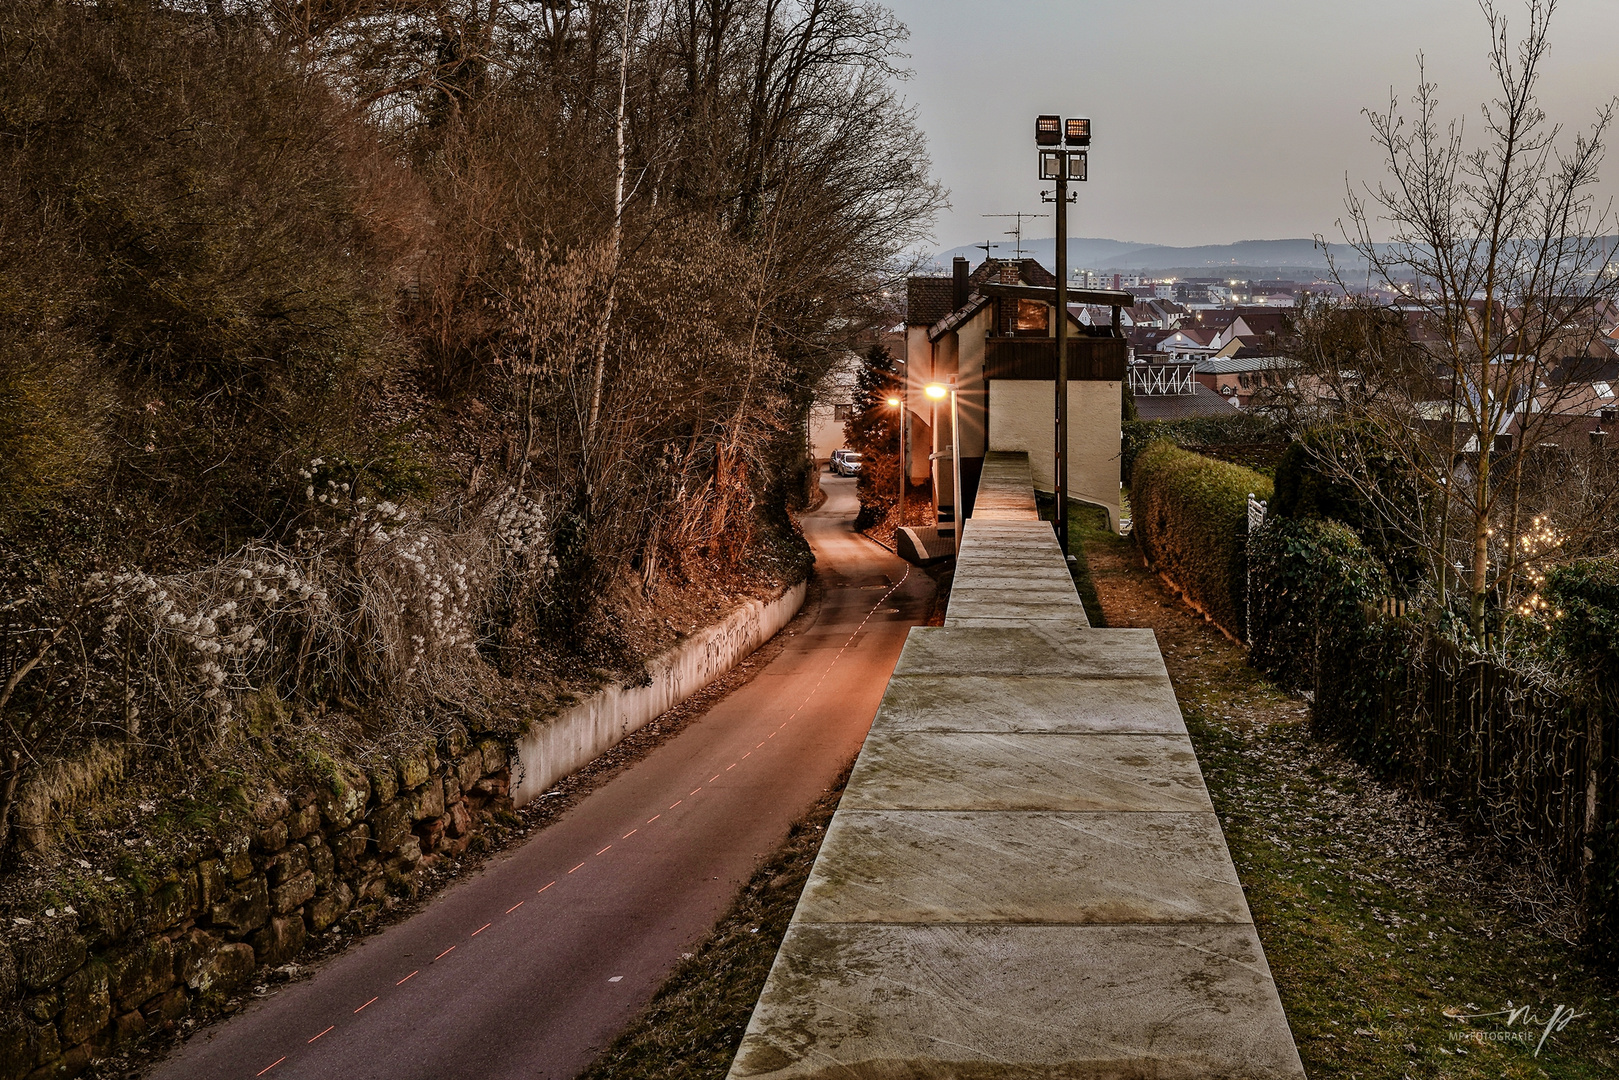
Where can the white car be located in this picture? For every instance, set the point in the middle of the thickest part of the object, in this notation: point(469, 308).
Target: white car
point(845, 463)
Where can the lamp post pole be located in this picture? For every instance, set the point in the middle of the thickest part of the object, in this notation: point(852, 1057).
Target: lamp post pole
point(1062, 358)
point(955, 460)
point(1070, 162)
point(898, 403)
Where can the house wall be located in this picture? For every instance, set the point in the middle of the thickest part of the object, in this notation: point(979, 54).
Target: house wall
point(1020, 418)
point(826, 430)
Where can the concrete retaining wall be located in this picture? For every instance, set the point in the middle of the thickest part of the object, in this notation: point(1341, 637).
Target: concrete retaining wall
point(578, 735)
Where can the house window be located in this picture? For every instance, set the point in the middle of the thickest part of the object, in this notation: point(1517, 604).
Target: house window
point(842, 413)
point(1031, 316)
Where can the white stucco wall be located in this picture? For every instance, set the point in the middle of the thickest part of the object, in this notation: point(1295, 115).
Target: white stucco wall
point(1020, 418)
point(555, 747)
point(826, 430)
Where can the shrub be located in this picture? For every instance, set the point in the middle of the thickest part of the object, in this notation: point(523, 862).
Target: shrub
point(1586, 632)
point(1193, 432)
point(1305, 577)
point(1190, 518)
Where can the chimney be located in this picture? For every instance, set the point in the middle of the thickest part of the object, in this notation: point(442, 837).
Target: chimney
point(958, 284)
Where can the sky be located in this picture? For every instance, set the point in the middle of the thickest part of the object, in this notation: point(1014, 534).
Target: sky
point(1214, 120)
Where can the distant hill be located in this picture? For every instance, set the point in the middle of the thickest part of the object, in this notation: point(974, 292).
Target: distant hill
point(1300, 256)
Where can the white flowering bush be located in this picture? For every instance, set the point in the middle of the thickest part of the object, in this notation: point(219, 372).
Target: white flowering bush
point(369, 600)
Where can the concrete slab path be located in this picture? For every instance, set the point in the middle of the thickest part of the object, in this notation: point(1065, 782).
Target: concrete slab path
point(1026, 877)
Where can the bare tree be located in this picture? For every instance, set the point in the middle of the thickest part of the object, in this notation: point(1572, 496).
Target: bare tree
point(1498, 250)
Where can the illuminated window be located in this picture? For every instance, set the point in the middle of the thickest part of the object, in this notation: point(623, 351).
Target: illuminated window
point(1031, 316)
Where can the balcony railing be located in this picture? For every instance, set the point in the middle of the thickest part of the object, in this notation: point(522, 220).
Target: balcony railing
point(1157, 380)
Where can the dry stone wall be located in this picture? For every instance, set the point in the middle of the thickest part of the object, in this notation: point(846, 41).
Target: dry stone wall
point(77, 986)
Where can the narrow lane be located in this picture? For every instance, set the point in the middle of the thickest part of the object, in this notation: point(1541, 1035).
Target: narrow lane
point(528, 968)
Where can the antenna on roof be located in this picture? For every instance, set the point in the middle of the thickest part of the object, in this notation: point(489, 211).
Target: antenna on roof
point(1016, 232)
point(987, 247)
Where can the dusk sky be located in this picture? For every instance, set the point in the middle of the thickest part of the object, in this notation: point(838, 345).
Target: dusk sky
point(1215, 120)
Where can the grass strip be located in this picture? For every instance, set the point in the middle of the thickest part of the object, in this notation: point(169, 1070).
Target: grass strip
point(692, 1027)
point(1084, 522)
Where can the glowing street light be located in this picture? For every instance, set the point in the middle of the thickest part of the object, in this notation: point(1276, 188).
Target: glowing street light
point(938, 392)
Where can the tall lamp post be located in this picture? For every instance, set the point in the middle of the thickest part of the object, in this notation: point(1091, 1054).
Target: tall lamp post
point(1062, 158)
point(938, 391)
point(898, 405)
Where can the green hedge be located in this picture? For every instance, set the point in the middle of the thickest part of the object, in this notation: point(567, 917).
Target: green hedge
point(1190, 516)
point(1238, 429)
point(1307, 580)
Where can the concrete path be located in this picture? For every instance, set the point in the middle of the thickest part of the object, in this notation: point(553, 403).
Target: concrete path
point(1025, 877)
point(531, 966)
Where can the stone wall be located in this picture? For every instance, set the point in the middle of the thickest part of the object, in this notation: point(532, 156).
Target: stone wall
point(78, 985)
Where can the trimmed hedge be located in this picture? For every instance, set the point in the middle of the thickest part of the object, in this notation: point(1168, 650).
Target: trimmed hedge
point(1190, 518)
point(1240, 429)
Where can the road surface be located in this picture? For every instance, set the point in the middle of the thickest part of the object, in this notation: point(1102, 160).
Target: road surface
point(530, 967)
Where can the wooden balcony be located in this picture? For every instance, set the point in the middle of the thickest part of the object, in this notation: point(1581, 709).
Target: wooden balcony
point(1094, 359)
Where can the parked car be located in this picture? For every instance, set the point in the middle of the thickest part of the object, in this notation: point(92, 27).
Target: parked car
point(845, 463)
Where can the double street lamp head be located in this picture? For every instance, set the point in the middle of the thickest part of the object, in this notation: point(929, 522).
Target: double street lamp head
point(1050, 130)
point(1054, 131)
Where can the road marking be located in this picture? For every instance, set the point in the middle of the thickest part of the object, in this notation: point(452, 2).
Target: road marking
point(694, 791)
point(654, 817)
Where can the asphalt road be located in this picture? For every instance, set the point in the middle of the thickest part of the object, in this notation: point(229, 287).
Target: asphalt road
point(529, 967)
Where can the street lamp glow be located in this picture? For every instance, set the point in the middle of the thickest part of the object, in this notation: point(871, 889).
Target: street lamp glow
point(894, 401)
point(936, 391)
